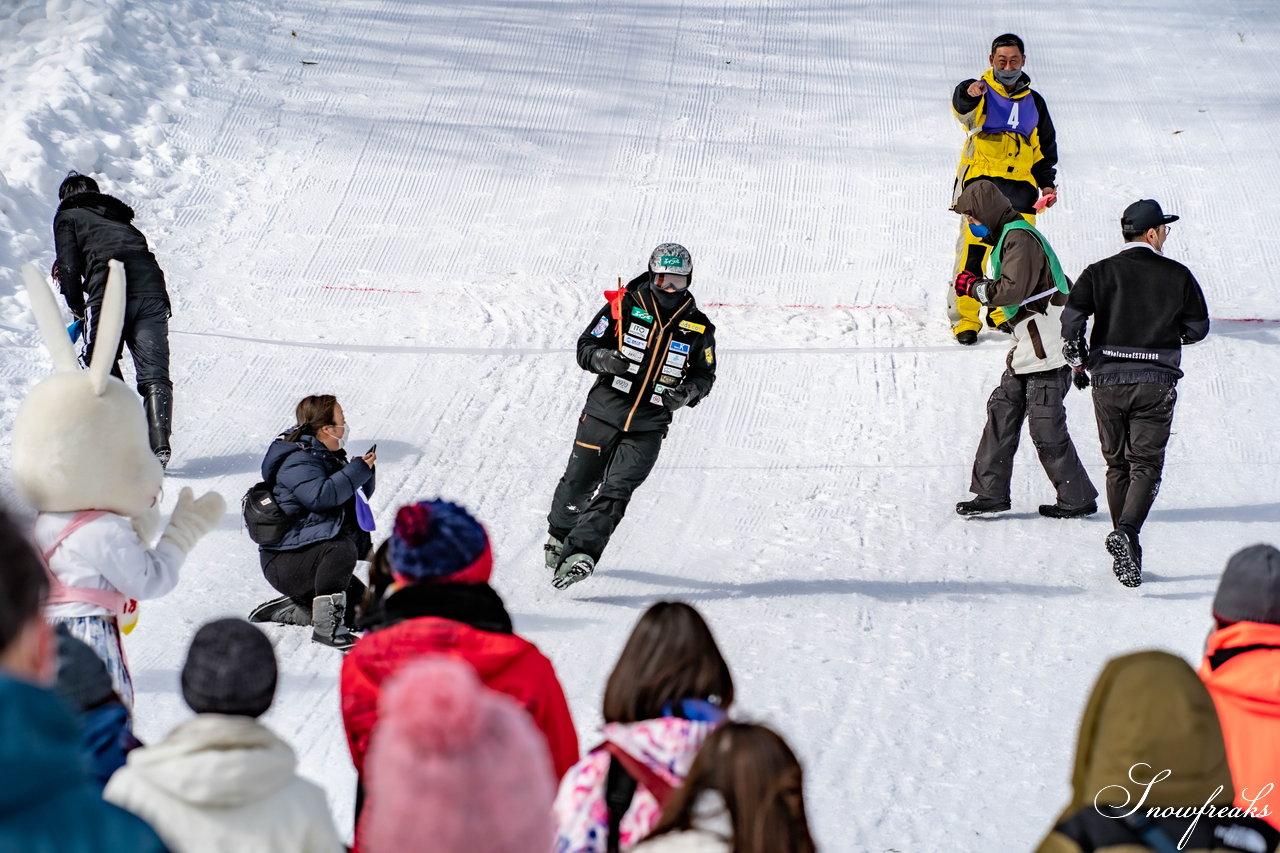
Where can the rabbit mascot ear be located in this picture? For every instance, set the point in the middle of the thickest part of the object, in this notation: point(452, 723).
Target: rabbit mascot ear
point(80, 437)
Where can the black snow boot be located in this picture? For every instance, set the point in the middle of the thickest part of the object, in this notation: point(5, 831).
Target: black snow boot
point(980, 505)
point(328, 616)
point(159, 406)
point(1123, 546)
point(283, 611)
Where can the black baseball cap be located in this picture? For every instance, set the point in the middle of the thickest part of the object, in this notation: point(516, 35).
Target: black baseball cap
point(1143, 214)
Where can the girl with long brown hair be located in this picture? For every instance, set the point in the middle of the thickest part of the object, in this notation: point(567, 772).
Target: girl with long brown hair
point(742, 795)
point(668, 690)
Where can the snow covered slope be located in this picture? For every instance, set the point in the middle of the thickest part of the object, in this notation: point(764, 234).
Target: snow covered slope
point(416, 206)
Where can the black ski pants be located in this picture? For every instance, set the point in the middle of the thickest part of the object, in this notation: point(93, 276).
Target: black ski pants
point(146, 331)
point(605, 468)
point(1134, 422)
point(321, 568)
point(1038, 399)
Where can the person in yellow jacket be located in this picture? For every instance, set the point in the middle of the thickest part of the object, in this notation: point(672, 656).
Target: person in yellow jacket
point(1151, 770)
point(1011, 142)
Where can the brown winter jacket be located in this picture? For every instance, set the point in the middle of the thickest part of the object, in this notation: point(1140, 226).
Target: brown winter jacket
point(1024, 269)
point(1149, 713)
point(1024, 272)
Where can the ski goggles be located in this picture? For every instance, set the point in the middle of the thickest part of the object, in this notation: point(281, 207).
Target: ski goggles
point(671, 282)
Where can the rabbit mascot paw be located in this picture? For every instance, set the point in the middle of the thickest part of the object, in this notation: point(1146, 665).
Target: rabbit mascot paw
point(81, 459)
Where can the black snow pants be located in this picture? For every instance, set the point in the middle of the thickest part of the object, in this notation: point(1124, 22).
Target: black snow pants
point(1039, 399)
point(146, 331)
point(321, 568)
point(1134, 422)
point(605, 468)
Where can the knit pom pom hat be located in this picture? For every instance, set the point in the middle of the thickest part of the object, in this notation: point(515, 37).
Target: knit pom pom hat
point(456, 763)
point(437, 540)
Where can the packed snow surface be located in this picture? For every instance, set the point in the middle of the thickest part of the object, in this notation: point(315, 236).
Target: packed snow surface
point(416, 206)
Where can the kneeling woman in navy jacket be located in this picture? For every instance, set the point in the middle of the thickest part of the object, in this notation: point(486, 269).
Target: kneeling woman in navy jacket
point(314, 481)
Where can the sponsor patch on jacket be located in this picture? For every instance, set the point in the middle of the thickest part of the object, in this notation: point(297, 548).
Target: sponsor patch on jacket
point(637, 311)
point(638, 343)
point(675, 359)
point(670, 371)
point(633, 368)
point(639, 331)
point(668, 380)
point(655, 400)
point(693, 327)
point(633, 354)
point(676, 346)
point(623, 385)
point(711, 358)
point(600, 327)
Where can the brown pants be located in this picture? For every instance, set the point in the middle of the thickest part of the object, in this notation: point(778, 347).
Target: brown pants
point(1133, 426)
point(1038, 399)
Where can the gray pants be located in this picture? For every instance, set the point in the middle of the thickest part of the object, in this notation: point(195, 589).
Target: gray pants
point(1038, 399)
point(1134, 422)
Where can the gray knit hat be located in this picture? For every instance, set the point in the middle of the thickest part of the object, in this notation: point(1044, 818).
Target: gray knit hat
point(1250, 587)
point(82, 676)
point(230, 669)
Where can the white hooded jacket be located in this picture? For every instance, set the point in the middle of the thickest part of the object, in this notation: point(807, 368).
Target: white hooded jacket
point(219, 783)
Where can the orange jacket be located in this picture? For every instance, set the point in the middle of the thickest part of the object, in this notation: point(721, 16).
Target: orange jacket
point(1245, 687)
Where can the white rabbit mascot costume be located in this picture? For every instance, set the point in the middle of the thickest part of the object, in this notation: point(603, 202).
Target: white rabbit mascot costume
point(81, 459)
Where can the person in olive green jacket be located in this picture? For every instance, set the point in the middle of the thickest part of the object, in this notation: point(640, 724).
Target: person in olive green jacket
point(1151, 769)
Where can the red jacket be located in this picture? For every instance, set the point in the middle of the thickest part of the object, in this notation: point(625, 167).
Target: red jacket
point(1245, 687)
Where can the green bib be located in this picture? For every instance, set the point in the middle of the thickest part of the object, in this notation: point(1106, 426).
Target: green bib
point(1055, 268)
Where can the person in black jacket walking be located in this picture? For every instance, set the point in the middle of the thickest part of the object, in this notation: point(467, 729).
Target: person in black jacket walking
point(654, 352)
point(1145, 308)
point(89, 230)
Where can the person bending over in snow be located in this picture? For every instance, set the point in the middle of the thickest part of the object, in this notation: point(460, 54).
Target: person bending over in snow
point(89, 230)
point(654, 352)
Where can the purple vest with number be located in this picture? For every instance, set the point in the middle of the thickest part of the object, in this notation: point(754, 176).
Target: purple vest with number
point(1010, 115)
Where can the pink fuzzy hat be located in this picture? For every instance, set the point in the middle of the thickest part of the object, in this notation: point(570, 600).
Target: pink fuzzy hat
point(456, 766)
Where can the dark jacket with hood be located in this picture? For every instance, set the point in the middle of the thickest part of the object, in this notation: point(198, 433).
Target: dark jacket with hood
point(317, 486)
point(91, 229)
point(668, 346)
point(1149, 713)
point(1024, 273)
point(48, 802)
point(1145, 307)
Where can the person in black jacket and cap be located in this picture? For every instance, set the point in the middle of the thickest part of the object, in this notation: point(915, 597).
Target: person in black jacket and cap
point(89, 230)
point(654, 352)
point(1145, 308)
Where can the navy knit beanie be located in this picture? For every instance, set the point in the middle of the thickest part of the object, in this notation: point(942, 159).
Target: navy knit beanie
point(435, 540)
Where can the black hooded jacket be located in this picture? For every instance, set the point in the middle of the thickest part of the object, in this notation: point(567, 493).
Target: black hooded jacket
point(91, 229)
point(667, 347)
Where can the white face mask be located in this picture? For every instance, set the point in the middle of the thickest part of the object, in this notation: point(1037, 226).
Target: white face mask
point(346, 431)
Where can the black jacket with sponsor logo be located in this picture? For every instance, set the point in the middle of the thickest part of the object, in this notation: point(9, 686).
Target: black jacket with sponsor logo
point(666, 347)
point(91, 229)
point(1145, 307)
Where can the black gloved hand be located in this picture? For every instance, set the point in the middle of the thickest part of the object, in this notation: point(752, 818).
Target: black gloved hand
point(1075, 352)
point(1079, 377)
point(609, 361)
point(678, 396)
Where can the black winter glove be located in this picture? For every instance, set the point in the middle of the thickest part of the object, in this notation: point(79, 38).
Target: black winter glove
point(679, 396)
point(609, 361)
point(1075, 352)
point(1079, 377)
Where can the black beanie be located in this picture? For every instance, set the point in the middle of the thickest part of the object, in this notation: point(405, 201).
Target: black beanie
point(82, 676)
point(230, 669)
point(1250, 587)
